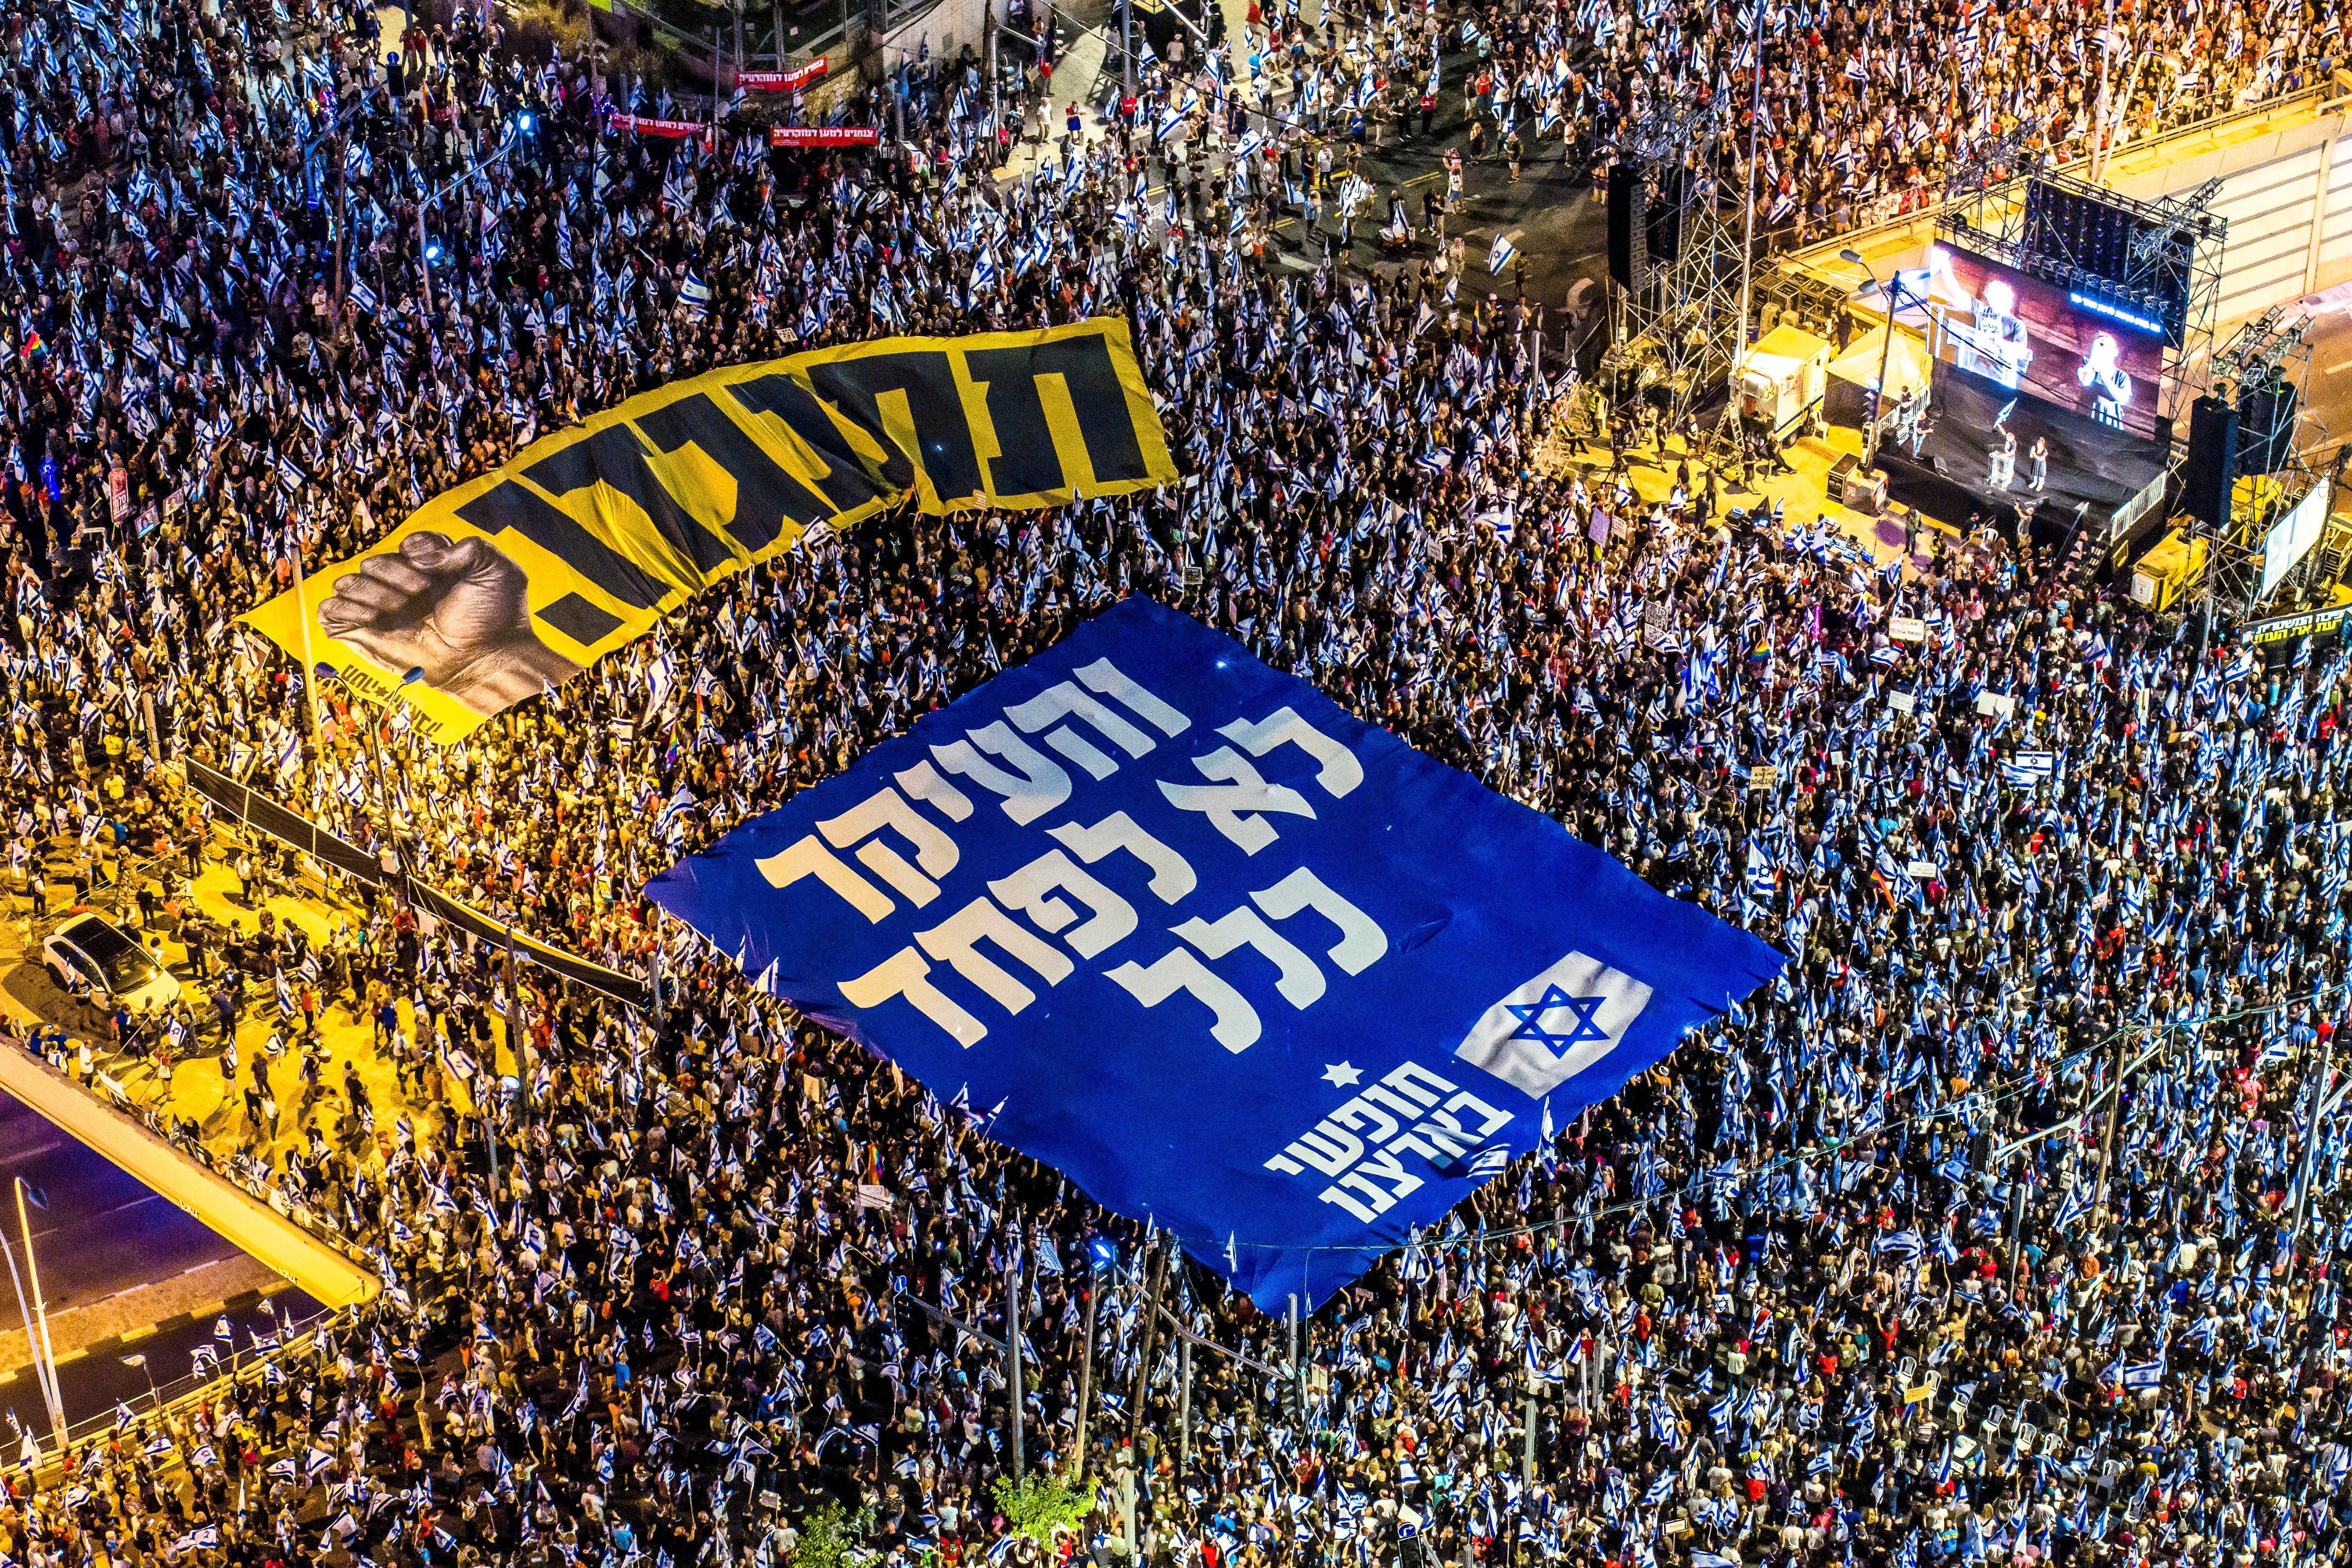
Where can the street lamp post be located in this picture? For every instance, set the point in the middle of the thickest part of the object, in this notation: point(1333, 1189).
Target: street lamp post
point(41, 1371)
point(424, 246)
point(45, 1351)
point(1012, 1348)
point(1893, 294)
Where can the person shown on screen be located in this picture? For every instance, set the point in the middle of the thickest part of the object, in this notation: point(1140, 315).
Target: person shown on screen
point(1996, 346)
point(2111, 389)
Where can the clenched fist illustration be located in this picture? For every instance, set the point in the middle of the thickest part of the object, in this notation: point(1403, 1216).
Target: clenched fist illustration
point(458, 612)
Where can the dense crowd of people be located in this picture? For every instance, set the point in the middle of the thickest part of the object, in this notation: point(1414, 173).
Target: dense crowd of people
point(2003, 1229)
point(1859, 113)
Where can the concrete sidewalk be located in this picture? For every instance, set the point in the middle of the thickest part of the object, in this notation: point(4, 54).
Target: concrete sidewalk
point(251, 1226)
point(1076, 76)
point(200, 1293)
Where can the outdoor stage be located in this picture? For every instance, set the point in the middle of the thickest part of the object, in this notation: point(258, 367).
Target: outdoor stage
point(1803, 491)
point(2110, 475)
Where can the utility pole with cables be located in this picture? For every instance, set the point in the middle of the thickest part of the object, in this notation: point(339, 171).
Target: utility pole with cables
point(43, 1352)
point(1012, 1348)
point(1142, 1384)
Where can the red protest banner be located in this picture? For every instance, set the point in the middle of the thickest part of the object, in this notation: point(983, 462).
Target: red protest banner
point(780, 81)
point(823, 136)
point(646, 126)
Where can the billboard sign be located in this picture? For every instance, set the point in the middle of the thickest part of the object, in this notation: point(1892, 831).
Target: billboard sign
point(2290, 539)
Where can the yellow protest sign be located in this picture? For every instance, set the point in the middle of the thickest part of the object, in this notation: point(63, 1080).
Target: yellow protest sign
point(514, 582)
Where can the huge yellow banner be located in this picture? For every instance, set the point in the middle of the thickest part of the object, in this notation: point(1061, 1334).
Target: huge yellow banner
point(515, 581)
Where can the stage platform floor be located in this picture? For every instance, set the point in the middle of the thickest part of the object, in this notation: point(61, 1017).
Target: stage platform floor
point(1803, 491)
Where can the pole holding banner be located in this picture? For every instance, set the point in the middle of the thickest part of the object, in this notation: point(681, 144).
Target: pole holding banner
point(1012, 1347)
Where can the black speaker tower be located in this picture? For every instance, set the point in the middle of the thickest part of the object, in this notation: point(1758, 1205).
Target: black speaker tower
point(2212, 461)
point(2266, 419)
point(1628, 223)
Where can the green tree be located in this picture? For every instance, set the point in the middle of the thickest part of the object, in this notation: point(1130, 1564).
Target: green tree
point(1038, 1507)
point(829, 1538)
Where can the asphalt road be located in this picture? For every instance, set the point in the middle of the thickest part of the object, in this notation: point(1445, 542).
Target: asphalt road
point(1559, 232)
point(96, 1380)
point(102, 1234)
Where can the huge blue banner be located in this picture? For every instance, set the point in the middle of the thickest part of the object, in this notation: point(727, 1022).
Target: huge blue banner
point(1179, 926)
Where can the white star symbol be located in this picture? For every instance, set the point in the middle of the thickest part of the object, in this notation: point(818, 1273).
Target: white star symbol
point(1342, 1075)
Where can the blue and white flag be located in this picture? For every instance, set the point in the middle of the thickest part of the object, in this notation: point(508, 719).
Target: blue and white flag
point(2030, 768)
point(1323, 982)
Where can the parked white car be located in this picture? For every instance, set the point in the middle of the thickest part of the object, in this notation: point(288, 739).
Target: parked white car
point(87, 954)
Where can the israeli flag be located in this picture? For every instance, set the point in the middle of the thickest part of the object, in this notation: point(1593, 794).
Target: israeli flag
point(1902, 1244)
point(2030, 768)
point(1500, 257)
point(2071, 1207)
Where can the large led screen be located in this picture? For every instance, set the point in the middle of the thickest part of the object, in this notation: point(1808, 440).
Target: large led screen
point(2065, 346)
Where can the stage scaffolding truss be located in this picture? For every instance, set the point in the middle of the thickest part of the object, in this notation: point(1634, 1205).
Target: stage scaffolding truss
point(2262, 371)
point(1674, 333)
